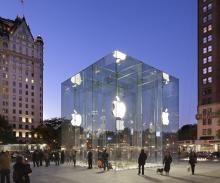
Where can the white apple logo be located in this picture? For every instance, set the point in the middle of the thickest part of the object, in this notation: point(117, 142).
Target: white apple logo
point(76, 80)
point(76, 119)
point(119, 108)
point(165, 117)
point(119, 56)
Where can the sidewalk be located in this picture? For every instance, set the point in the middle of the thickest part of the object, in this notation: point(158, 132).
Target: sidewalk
point(205, 172)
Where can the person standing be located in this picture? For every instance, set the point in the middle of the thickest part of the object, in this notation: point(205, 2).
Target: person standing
point(166, 162)
point(90, 157)
point(141, 161)
point(35, 158)
point(5, 162)
point(57, 158)
point(192, 161)
point(19, 173)
point(28, 171)
point(41, 156)
point(74, 157)
point(105, 159)
point(62, 157)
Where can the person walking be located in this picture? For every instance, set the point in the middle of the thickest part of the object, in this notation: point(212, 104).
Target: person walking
point(105, 157)
point(90, 157)
point(5, 162)
point(141, 161)
point(192, 161)
point(166, 162)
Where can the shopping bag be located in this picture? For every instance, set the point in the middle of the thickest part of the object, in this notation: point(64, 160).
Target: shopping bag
point(99, 164)
point(110, 166)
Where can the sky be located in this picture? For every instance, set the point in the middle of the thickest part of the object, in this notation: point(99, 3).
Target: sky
point(77, 33)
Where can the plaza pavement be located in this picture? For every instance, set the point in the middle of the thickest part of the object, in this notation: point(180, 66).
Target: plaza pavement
point(206, 172)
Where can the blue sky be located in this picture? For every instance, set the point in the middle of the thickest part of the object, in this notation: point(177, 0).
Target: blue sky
point(79, 32)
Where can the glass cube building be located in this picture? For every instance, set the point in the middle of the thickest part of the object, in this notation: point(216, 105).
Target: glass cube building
point(120, 104)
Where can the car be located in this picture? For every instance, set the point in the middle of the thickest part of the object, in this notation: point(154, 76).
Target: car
point(215, 155)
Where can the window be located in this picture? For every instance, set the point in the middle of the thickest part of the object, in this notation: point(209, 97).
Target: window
point(204, 9)
point(14, 83)
point(209, 17)
point(204, 71)
point(26, 120)
point(204, 19)
point(32, 93)
point(209, 27)
point(20, 119)
point(32, 113)
point(32, 87)
point(210, 38)
point(26, 112)
point(204, 50)
point(209, 58)
point(209, 6)
point(26, 105)
point(20, 111)
point(26, 92)
point(20, 105)
point(204, 121)
point(20, 85)
point(20, 98)
point(209, 79)
point(204, 40)
point(210, 69)
point(26, 86)
point(20, 126)
point(26, 80)
point(14, 111)
point(204, 60)
point(14, 104)
point(210, 48)
point(204, 29)
point(209, 121)
point(209, 131)
point(26, 127)
point(204, 81)
point(204, 132)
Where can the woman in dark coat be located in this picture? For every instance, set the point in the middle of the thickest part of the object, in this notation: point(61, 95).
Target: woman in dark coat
point(192, 161)
point(141, 161)
point(19, 173)
point(166, 162)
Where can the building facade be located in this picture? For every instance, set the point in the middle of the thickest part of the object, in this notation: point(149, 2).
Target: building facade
point(208, 70)
point(121, 104)
point(21, 76)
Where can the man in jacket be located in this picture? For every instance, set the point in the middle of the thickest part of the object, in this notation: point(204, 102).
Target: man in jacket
point(141, 161)
point(5, 161)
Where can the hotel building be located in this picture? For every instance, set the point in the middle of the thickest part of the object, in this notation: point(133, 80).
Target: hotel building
point(21, 76)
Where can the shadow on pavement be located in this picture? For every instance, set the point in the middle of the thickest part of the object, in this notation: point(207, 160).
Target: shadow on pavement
point(209, 176)
point(100, 172)
point(151, 179)
point(182, 179)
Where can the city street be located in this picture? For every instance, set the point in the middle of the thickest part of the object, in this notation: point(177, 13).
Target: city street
point(205, 172)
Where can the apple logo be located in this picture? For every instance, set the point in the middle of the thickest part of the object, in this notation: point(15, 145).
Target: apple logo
point(165, 117)
point(76, 80)
point(119, 108)
point(119, 56)
point(76, 119)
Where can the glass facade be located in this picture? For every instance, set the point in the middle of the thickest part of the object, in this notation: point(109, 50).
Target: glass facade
point(120, 104)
